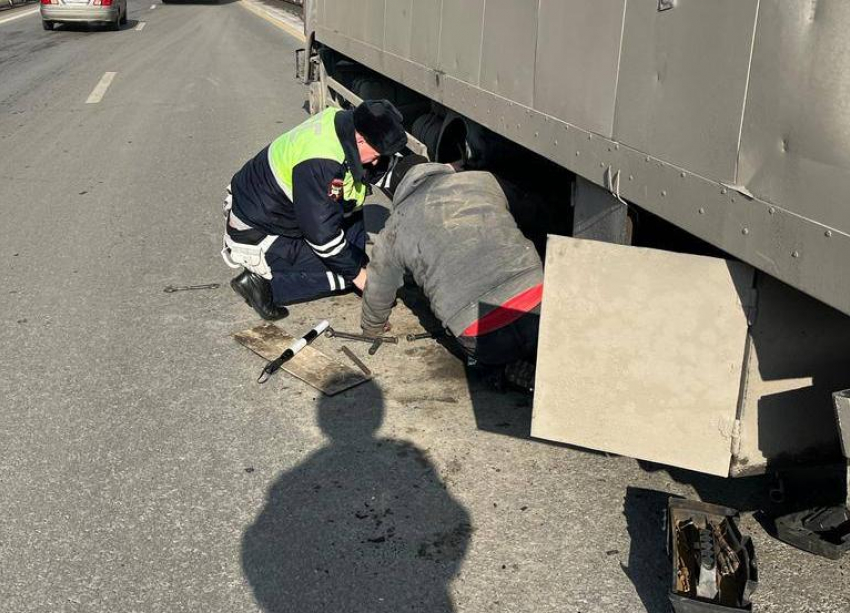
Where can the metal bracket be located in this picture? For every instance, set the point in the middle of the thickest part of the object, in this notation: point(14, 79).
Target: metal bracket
point(306, 66)
point(752, 306)
point(736, 438)
point(300, 69)
point(599, 212)
point(841, 401)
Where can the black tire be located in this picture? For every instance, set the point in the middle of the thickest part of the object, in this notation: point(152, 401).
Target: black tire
point(115, 25)
point(47, 25)
point(123, 19)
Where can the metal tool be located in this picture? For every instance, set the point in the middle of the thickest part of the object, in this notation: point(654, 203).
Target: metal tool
point(331, 333)
point(423, 335)
point(375, 346)
point(291, 351)
point(356, 361)
point(170, 289)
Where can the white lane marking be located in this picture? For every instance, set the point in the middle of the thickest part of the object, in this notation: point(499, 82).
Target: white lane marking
point(141, 26)
point(19, 15)
point(100, 89)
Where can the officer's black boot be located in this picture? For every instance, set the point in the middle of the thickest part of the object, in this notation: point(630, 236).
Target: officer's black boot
point(257, 292)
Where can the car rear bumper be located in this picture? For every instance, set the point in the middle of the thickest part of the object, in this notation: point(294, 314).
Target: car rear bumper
point(85, 13)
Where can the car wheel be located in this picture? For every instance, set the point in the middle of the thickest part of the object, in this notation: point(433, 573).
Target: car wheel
point(47, 25)
point(115, 25)
point(123, 19)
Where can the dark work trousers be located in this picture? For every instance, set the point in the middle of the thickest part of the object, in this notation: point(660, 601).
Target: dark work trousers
point(516, 341)
point(299, 275)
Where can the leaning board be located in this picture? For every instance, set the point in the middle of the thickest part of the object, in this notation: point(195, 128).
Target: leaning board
point(310, 365)
point(640, 352)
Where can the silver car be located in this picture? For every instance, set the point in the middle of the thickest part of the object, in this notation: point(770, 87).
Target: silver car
point(110, 12)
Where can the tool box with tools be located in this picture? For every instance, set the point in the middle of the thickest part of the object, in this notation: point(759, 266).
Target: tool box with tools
point(713, 564)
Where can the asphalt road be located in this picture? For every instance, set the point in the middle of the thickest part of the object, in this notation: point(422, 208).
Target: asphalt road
point(141, 469)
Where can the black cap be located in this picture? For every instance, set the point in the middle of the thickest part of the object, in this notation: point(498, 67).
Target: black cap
point(379, 122)
point(402, 167)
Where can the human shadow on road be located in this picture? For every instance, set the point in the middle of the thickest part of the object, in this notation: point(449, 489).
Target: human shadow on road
point(648, 567)
point(363, 525)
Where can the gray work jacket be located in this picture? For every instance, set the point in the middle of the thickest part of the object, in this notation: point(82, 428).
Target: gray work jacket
point(454, 234)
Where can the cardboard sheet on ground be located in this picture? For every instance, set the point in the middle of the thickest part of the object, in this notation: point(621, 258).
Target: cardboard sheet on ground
point(310, 365)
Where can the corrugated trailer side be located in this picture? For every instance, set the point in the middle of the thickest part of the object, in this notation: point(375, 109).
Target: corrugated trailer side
point(726, 118)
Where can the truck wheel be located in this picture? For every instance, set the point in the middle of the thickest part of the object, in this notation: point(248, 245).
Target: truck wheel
point(47, 25)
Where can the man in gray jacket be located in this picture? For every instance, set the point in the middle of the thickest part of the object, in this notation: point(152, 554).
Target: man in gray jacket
point(455, 235)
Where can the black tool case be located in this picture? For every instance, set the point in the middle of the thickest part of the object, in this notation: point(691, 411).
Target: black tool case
point(689, 545)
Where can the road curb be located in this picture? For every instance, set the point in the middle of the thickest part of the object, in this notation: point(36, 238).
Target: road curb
point(280, 18)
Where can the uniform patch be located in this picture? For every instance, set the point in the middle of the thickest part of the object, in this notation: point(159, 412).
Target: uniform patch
point(335, 190)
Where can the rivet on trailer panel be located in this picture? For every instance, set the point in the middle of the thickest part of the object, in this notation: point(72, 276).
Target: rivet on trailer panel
point(701, 211)
point(724, 191)
point(745, 231)
point(795, 254)
point(683, 175)
point(828, 233)
point(578, 153)
point(664, 193)
point(771, 210)
point(631, 177)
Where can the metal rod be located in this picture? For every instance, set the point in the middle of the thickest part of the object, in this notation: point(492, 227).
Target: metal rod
point(170, 289)
point(356, 360)
point(423, 335)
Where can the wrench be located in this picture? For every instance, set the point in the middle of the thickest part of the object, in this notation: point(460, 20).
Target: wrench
point(423, 335)
point(331, 333)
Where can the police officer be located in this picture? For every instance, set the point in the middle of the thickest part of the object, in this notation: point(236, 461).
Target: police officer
point(294, 212)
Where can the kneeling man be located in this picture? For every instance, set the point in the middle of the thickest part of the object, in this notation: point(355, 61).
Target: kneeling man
point(453, 232)
point(293, 212)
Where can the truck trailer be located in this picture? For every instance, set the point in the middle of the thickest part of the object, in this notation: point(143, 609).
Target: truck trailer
point(690, 164)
